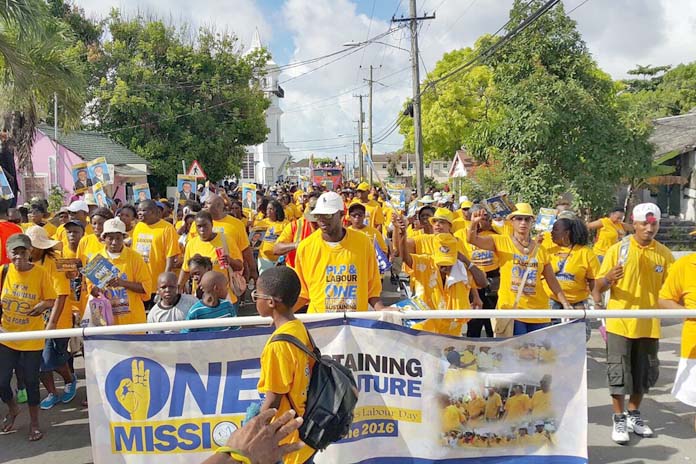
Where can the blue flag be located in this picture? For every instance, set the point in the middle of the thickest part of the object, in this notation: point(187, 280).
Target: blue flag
point(382, 260)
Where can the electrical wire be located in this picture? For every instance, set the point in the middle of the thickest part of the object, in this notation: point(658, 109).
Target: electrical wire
point(578, 6)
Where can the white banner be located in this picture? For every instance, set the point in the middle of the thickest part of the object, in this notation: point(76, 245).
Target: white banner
point(426, 397)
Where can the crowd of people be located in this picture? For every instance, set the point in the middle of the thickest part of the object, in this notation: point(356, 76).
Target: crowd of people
point(201, 260)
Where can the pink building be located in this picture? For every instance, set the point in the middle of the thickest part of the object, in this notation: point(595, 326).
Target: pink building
point(53, 167)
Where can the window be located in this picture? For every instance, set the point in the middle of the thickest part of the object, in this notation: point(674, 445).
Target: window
point(35, 186)
point(248, 166)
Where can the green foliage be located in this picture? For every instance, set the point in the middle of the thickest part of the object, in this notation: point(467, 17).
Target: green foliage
point(651, 76)
point(56, 198)
point(483, 182)
point(170, 98)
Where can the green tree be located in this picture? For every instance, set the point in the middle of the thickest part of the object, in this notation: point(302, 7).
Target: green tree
point(650, 77)
point(170, 97)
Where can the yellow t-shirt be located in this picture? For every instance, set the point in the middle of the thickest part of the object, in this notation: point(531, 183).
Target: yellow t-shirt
point(573, 268)
point(460, 224)
point(450, 418)
point(196, 246)
point(61, 285)
point(486, 260)
point(338, 277)
point(476, 407)
point(411, 232)
point(273, 230)
point(607, 235)
point(374, 235)
point(155, 243)
point(88, 247)
point(541, 404)
point(493, 405)
point(21, 292)
point(517, 406)
point(373, 213)
point(235, 234)
point(680, 286)
point(645, 270)
point(62, 235)
point(127, 306)
point(286, 370)
point(513, 264)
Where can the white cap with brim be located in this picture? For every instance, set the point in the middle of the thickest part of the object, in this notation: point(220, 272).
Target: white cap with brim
point(646, 212)
point(114, 226)
point(78, 205)
point(328, 203)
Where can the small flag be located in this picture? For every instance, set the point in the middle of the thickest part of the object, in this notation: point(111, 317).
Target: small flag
point(382, 260)
point(363, 148)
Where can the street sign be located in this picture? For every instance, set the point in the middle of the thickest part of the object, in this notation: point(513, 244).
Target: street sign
point(196, 170)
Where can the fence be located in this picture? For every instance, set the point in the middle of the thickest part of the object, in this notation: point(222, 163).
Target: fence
point(388, 316)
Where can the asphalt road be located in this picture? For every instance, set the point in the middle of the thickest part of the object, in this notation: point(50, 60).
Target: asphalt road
point(67, 431)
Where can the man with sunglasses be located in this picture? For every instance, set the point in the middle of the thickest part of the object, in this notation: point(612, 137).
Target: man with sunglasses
point(337, 267)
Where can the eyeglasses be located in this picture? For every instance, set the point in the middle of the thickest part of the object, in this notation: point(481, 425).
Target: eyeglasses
point(255, 295)
point(523, 218)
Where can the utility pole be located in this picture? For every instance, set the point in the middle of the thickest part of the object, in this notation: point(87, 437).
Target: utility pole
point(361, 122)
point(371, 125)
point(418, 131)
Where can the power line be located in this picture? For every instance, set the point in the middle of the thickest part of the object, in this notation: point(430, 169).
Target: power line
point(578, 6)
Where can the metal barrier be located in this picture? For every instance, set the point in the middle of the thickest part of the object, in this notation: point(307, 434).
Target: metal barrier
point(387, 316)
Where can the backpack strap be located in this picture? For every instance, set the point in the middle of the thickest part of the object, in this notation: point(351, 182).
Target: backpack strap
point(314, 354)
point(3, 275)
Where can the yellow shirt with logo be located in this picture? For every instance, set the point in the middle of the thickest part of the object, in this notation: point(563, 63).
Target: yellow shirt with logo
point(645, 270)
point(513, 264)
point(541, 404)
point(273, 230)
point(493, 405)
point(573, 268)
point(155, 243)
point(127, 306)
point(607, 235)
point(88, 247)
point(62, 235)
point(338, 277)
point(61, 285)
point(286, 370)
point(680, 286)
point(517, 406)
point(235, 234)
point(374, 235)
point(196, 246)
point(486, 260)
point(20, 293)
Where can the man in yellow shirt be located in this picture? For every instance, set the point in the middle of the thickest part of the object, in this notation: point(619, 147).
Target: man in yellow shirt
point(356, 214)
point(633, 270)
point(155, 240)
point(494, 405)
point(373, 210)
point(337, 266)
point(541, 400)
point(518, 405)
point(463, 215)
point(475, 407)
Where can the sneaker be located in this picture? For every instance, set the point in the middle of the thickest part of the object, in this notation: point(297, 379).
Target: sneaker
point(69, 391)
point(635, 424)
point(22, 396)
point(50, 401)
point(620, 432)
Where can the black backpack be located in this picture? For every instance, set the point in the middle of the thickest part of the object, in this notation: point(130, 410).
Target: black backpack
point(331, 397)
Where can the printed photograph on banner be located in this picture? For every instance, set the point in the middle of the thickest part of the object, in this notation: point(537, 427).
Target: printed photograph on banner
point(249, 197)
point(5, 189)
point(186, 187)
point(498, 206)
point(99, 195)
point(545, 220)
point(99, 171)
point(81, 180)
point(256, 236)
point(141, 192)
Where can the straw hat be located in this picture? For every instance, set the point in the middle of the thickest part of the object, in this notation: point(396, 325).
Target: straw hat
point(39, 238)
point(442, 214)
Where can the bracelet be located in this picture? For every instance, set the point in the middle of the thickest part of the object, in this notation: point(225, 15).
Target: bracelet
point(234, 454)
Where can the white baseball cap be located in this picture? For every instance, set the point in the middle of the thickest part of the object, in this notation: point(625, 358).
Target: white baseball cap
point(463, 198)
point(646, 212)
point(328, 203)
point(78, 205)
point(114, 225)
point(437, 195)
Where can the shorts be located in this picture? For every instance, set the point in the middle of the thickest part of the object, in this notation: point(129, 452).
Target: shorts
point(632, 364)
point(55, 354)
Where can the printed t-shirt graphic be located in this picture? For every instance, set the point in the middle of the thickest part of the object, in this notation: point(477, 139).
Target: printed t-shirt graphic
point(573, 266)
point(155, 243)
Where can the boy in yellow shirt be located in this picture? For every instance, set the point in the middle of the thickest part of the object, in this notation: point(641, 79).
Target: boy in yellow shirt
point(285, 369)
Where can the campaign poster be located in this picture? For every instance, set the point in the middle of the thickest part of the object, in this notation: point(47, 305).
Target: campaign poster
point(249, 197)
point(186, 187)
point(99, 171)
point(424, 398)
point(141, 192)
point(100, 196)
point(80, 176)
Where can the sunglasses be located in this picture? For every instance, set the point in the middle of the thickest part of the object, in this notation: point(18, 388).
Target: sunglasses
point(255, 296)
point(523, 218)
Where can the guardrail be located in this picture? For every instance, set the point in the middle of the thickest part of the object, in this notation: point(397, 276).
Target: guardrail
point(387, 316)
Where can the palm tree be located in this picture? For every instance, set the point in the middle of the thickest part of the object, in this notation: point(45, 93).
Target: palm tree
point(38, 59)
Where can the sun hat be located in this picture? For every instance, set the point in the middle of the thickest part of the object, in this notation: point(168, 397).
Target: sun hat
point(328, 203)
point(18, 241)
point(113, 226)
point(646, 212)
point(78, 205)
point(426, 200)
point(442, 214)
point(522, 209)
point(363, 187)
point(444, 250)
point(39, 238)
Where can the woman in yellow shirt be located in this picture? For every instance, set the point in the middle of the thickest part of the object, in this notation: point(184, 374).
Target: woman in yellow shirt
point(92, 244)
point(27, 293)
point(128, 214)
point(274, 224)
point(610, 230)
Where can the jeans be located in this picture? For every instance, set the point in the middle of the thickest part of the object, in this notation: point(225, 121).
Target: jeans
point(579, 305)
point(522, 328)
point(29, 363)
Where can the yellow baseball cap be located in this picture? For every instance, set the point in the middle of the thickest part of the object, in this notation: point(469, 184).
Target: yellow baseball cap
point(445, 250)
point(522, 209)
point(466, 204)
point(442, 214)
point(363, 186)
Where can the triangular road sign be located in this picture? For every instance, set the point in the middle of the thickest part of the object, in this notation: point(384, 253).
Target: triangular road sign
point(196, 170)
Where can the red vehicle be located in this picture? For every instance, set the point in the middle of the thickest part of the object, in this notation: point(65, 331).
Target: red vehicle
point(331, 178)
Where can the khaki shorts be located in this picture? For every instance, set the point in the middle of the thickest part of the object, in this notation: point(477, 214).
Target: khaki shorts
point(632, 364)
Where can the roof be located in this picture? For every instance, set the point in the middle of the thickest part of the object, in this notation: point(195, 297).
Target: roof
point(91, 145)
point(674, 133)
point(303, 163)
point(461, 164)
point(386, 157)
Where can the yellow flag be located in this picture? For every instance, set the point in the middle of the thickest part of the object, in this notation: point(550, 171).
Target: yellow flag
point(363, 148)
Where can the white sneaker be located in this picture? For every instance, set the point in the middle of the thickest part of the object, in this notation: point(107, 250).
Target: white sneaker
point(635, 424)
point(620, 432)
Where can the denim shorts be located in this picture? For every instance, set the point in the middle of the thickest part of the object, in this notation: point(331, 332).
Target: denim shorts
point(55, 354)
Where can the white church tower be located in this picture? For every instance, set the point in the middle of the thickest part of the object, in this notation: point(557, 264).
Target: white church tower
point(266, 162)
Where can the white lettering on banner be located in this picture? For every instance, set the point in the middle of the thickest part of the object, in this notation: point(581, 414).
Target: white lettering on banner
point(422, 395)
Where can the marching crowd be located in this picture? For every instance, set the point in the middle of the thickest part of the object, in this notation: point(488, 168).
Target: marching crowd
point(200, 259)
